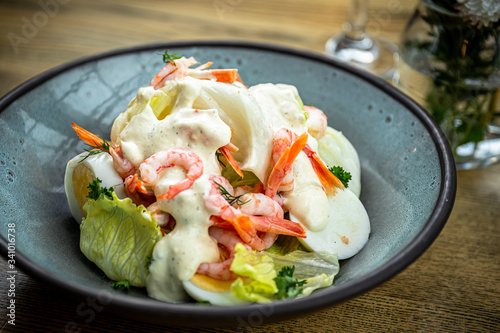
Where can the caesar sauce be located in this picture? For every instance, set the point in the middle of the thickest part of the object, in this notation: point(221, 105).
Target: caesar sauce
point(205, 115)
point(307, 201)
point(177, 255)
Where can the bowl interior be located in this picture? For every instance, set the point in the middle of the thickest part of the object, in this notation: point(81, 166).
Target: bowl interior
point(401, 171)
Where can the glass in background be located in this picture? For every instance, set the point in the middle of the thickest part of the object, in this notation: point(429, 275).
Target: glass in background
point(360, 49)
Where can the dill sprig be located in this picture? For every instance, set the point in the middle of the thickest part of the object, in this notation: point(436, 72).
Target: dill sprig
point(96, 149)
point(231, 198)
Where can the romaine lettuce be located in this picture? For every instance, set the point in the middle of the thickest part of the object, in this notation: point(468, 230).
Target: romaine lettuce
point(118, 237)
point(258, 271)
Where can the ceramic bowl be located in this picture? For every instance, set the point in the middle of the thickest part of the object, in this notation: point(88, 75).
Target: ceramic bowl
point(408, 173)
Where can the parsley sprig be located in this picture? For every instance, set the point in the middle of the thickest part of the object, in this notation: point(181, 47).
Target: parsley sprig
point(288, 286)
point(231, 198)
point(170, 57)
point(341, 174)
point(125, 285)
point(95, 190)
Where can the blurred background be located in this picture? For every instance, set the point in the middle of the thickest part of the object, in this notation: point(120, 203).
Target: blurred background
point(38, 35)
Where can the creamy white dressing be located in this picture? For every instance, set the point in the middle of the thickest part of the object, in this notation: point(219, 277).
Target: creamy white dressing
point(307, 200)
point(205, 115)
point(252, 132)
point(177, 256)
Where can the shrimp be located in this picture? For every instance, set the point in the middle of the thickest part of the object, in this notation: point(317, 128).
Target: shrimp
point(136, 190)
point(246, 225)
point(123, 166)
point(281, 141)
point(260, 204)
point(221, 270)
point(182, 157)
point(172, 70)
point(283, 166)
point(179, 68)
point(316, 122)
point(162, 218)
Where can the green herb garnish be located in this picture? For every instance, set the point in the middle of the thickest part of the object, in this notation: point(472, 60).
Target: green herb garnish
point(288, 286)
point(341, 174)
point(95, 190)
point(231, 198)
point(170, 57)
point(96, 149)
point(125, 285)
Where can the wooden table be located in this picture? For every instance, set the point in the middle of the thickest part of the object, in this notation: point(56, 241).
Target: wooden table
point(453, 287)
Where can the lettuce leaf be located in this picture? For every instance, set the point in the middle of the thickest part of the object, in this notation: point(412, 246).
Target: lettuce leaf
point(118, 237)
point(258, 271)
point(286, 244)
point(317, 268)
point(249, 178)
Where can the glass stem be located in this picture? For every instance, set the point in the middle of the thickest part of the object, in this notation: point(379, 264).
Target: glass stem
point(358, 14)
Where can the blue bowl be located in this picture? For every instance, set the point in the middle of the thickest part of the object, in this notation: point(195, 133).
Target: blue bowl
point(408, 172)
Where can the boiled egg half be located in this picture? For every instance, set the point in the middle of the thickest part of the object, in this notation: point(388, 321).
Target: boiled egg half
point(81, 171)
point(206, 289)
point(347, 230)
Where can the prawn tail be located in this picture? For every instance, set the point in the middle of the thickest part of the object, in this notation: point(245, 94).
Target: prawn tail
point(89, 138)
point(328, 180)
point(278, 225)
point(284, 164)
point(227, 154)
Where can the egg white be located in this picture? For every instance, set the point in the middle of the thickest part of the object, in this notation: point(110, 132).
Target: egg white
point(102, 167)
point(347, 221)
point(224, 298)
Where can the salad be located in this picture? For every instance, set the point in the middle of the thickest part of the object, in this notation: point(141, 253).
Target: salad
point(215, 191)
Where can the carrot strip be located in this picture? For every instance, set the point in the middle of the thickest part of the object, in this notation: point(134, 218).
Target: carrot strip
point(224, 75)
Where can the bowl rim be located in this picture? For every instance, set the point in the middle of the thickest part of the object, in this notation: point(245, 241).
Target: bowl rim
point(152, 310)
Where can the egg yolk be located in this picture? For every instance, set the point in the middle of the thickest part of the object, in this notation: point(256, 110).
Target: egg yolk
point(210, 284)
point(82, 177)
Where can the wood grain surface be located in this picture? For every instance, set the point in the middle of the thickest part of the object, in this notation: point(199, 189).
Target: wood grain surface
point(452, 287)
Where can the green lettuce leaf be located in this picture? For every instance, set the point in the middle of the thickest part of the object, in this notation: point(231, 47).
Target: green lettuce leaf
point(118, 237)
point(285, 244)
point(249, 178)
point(258, 284)
point(317, 268)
